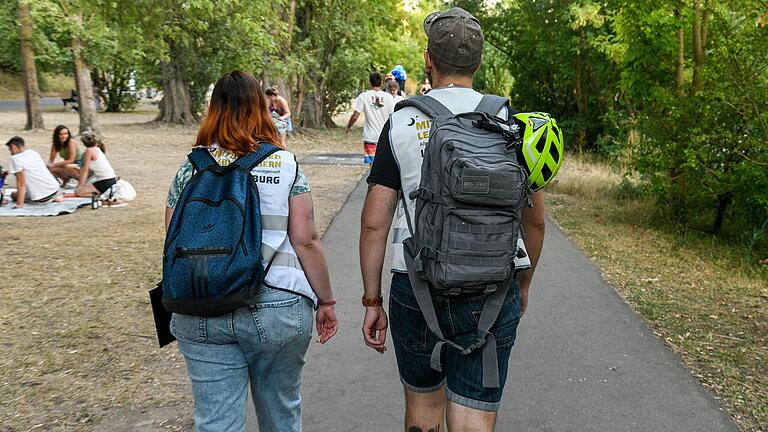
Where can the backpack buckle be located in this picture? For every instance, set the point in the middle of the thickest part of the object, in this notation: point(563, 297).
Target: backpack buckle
point(491, 288)
point(454, 291)
point(418, 265)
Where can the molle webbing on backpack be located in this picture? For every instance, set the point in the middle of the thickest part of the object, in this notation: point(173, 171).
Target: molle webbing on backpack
point(466, 224)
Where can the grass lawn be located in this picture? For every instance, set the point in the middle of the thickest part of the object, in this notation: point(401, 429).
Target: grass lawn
point(79, 348)
point(699, 295)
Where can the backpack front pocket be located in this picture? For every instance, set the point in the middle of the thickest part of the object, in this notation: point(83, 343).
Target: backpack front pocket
point(202, 263)
point(477, 249)
point(487, 182)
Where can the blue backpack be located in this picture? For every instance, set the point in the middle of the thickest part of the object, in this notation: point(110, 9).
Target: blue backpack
point(212, 255)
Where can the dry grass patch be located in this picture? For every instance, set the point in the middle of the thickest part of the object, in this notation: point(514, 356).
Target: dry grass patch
point(694, 291)
point(79, 349)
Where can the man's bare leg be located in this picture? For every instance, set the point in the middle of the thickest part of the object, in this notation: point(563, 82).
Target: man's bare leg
point(462, 419)
point(424, 412)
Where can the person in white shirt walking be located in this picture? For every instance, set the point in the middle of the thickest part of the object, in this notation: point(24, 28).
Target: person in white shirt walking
point(377, 106)
point(34, 183)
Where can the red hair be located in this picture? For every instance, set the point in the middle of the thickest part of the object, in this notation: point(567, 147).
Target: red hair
point(237, 118)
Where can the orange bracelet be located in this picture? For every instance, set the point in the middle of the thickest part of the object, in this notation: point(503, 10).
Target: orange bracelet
point(373, 302)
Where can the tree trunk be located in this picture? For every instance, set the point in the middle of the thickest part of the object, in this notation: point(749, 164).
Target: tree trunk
point(86, 102)
point(680, 63)
point(580, 104)
point(722, 205)
point(297, 110)
point(176, 106)
point(698, 49)
point(28, 70)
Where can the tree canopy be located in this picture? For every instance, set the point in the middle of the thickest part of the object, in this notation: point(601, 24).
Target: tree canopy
point(677, 91)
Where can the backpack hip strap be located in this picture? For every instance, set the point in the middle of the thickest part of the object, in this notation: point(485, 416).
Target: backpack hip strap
point(491, 104)
point(426, 104)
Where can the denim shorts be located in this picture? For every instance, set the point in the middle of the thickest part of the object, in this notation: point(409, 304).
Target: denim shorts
point(458, 317)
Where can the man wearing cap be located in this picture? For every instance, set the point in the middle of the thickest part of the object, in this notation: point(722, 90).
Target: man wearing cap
point(34, 183)
point(456, 394)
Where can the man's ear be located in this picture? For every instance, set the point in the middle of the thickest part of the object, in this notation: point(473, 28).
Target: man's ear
point(477, 68)
point(427, 61)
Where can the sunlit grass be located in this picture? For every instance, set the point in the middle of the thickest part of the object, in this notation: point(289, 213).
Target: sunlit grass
point(698, 293)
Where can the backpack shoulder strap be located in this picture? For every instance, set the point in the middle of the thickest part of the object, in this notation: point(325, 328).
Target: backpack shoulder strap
point(491, 104)
point(201, 159)
point(250, 160)
point(427, 104)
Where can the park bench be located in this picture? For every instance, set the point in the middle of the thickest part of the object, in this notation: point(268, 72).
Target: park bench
point(72, 100)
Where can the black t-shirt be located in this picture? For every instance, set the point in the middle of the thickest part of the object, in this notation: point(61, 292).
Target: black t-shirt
point(385, 170)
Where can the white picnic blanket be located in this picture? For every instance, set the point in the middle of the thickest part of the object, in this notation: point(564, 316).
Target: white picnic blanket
point(67, 206)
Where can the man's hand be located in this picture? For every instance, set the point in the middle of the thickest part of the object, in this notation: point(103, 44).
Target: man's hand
point(375, 328)
point(326, 322)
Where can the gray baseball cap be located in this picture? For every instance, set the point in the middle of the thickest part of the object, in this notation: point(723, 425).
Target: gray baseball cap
point(455, 37)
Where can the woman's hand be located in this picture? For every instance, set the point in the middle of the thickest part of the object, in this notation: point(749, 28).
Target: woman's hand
point(326, 321)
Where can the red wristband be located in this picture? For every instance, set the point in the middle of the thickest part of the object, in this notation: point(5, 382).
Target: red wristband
point(328, 303)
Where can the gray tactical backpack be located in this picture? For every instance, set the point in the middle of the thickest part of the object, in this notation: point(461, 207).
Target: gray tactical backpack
point(467, 218)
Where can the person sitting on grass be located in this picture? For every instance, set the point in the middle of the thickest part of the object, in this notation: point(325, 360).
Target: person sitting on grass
point(34, 183)
point(72, 156)
point(95, 161)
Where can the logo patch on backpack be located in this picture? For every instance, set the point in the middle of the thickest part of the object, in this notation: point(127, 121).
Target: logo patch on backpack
point(478, 185)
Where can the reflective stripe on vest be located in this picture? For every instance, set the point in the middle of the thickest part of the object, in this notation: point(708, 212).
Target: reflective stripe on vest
point(275, 177)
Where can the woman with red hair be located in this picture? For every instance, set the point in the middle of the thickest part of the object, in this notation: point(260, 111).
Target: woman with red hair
point(263, 343)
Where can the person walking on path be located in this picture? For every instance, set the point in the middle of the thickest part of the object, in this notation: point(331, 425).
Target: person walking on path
point(264, 341)
point(457, 393)
point(377, 106)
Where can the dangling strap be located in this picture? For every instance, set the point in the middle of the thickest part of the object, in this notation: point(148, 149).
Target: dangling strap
point(250, 160)
point(201, 159)
point(426, 104)
point(488, 316)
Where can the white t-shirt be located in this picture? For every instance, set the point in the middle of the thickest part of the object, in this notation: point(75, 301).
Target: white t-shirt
point(39, 182)
point(377, 105)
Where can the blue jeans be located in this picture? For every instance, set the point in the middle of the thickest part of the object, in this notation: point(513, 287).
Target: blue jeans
point(462, 375)
point(264, 343)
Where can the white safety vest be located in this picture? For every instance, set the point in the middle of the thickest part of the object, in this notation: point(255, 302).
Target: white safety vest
point(408, 135)
point(275, 177)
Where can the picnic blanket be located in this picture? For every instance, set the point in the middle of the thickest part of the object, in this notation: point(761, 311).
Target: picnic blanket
point(67, 206)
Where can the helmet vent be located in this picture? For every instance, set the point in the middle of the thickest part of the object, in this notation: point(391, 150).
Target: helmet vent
point(554, 153)
point(546, 173)
point(542, 142)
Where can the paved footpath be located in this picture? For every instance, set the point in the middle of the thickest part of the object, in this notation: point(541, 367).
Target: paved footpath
point(583, 361)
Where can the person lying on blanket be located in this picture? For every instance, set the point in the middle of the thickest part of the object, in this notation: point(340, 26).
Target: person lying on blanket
point(94, 161)
point(34, 183)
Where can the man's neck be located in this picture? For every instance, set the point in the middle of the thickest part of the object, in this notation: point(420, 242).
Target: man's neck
point(451, 81)
point(376, 88)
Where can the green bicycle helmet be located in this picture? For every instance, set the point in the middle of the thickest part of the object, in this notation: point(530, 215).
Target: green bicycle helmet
point(542, 148)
